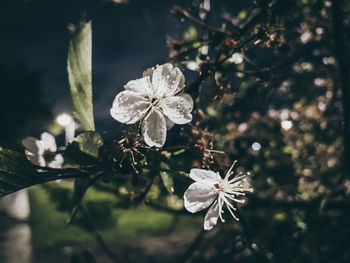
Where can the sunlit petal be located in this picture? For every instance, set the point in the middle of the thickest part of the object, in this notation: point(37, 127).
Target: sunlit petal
point(142, 86)
point(177, 109)
point(205, 176)
point(167, 80)
point(154, 129)
point(211, 218)
point(199, 196)
point(129, 107)
point(48, 141)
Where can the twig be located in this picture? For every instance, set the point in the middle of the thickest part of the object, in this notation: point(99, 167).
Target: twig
point(143, 194)
point(202, 24)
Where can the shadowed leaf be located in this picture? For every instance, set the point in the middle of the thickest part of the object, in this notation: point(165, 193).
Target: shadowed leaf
point(84, 149)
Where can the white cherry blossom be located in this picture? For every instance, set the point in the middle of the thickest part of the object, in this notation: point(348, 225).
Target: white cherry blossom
point(210, 189)
point(43, 152)
point(157, 100)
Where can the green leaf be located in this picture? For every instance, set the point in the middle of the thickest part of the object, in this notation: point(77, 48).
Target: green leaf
point(84, 149)
point(17, 173)
point(167, 178)
point(79, 74)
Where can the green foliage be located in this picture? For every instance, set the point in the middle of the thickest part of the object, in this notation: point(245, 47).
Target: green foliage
point(79, 74)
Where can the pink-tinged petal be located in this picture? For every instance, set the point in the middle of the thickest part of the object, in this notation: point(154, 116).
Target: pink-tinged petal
point(206, 176)
point(33, 145)
point(154, 129)
point(177, 109)
point(167, 80)
point(199, 196)
point(57, 162)
point(48, 141)
point(141, 86)
point(129, 107)
point(211, 218)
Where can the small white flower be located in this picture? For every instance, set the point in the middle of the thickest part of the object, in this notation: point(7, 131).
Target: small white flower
point(43, 152)
point(211, 189)
point(156, 99)
point(236, 58)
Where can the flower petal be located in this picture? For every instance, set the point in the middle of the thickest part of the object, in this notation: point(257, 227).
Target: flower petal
point(211, 218)
point(57, 162)
point(169, 123)
point(35, 159)
point(205, 176)
point(33, 145)
point(167, 80)
point(141, 86)
point(187, 97)
point(199, 196)
point(148, 73)
point(129, 107)
point(154, 129)
point(177, 109)
point(48, 141)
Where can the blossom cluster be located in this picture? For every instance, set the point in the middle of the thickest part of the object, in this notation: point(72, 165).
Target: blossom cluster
point(157, 101)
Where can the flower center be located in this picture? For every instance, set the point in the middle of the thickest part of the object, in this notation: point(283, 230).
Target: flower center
point(155, 101)
point(222, 185)
point(49, 156)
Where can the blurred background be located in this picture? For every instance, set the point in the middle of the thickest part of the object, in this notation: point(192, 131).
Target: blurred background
point(271, 80)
